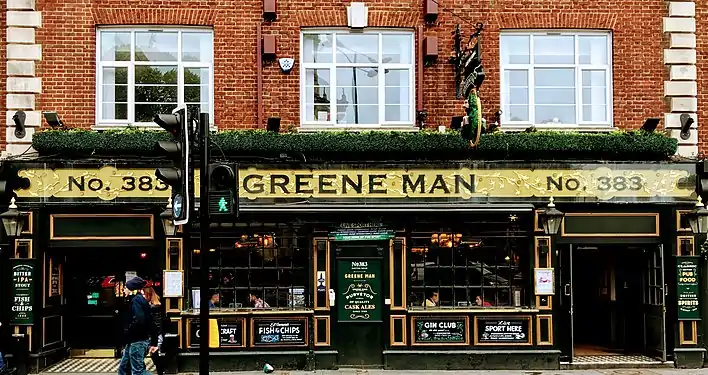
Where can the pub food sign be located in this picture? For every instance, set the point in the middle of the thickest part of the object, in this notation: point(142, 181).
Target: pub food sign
point(22, 271)
point(687, 276)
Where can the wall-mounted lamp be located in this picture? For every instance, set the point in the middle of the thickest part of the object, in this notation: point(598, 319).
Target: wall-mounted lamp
point(686, 122)
point(273, 124)
point(698, 218)
point(19, 118)
point(430, 50)
point(431, 11)
point(551, 218)
point(270, 13)
point(167, 218)
point(650, 125)
point(269, 47)
point(12, 220)
point(52, 119)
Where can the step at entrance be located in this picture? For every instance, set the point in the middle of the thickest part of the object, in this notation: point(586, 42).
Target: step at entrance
point(90, 365)
point(586, 362)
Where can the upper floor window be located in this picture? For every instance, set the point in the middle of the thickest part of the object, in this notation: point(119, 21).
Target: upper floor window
point(556, 79)
point(143, 72)
point(357, 79)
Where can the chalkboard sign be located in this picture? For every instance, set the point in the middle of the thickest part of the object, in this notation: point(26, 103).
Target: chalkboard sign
point(440, 330)
point(22, 308)
point(279, 332)
point(688, 291)
point(231, 333)
point(503, 330)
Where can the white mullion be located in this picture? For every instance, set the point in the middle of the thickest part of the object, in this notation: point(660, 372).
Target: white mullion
point(382, 83)
point(332, 84)
point(180, 74)
point(531, 82)
point(578, 81)
point(131, 80)
point(411, 82)
point(609, 108)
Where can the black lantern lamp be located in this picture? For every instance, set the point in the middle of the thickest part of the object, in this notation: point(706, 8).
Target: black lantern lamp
point(698, 218)
point(12, 220)
point(167, 218)
point(551, 218)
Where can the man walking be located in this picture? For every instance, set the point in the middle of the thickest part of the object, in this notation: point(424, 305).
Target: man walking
point(138, 330)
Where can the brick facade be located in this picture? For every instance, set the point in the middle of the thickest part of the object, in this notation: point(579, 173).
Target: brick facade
point(68, 39)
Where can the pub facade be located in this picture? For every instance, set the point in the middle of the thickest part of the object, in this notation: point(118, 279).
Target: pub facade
point(402, 266)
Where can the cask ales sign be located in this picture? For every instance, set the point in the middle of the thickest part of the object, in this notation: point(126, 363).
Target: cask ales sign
point(359, 283)
point(600, 181)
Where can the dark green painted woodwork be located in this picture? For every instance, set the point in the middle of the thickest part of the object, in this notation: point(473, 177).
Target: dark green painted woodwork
point(609, 224)
point(106, 226)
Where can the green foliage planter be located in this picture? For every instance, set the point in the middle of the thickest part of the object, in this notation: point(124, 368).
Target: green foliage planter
point(423, 145)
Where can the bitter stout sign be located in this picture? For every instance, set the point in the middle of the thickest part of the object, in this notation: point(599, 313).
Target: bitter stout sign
point(687, 276)
point(360, 290)
point(604, 182)
point(22, 306)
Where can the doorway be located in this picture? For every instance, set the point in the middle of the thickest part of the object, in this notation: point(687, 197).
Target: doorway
point(616, 295)
point(359, 300)
point(94, 279)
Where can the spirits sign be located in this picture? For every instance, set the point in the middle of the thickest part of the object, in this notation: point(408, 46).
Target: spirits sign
point(687, 276)
point(22, 308)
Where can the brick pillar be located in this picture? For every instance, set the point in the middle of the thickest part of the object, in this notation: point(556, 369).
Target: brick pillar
point(680, 59)
point(22, 84)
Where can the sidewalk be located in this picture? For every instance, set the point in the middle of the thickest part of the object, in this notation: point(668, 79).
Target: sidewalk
point(432, 372)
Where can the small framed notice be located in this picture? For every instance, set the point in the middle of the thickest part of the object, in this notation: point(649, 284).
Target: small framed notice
point(544, 284)
point(173, 283)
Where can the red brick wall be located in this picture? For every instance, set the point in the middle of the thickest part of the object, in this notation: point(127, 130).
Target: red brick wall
point(701, 66)
point(68, 40)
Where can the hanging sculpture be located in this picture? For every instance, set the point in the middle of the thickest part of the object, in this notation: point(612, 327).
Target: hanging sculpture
point(469, 75)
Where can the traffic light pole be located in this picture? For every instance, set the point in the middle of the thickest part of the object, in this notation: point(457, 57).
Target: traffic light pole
point(204, 244)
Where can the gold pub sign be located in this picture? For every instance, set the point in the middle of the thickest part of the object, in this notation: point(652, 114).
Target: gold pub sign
point(603, 183)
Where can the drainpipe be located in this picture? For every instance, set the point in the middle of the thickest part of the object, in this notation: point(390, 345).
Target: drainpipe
point(259, 79)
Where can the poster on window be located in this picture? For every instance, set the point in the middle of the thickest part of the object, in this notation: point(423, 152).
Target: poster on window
point(22, 291)
point(687, 276)
point(543, 281)
point(359, 289)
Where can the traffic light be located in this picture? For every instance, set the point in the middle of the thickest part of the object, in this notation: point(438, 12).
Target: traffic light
point(180, 176)
point(223, 189)
point(9, 182)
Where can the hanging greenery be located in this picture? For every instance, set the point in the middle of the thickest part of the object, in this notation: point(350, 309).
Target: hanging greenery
point(370, 145)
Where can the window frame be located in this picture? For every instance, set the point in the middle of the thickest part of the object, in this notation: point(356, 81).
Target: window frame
point(332, 66)
point(577, 66)
point(101, 123)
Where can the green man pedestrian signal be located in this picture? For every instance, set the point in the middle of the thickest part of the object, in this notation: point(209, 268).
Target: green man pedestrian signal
point(223, 189)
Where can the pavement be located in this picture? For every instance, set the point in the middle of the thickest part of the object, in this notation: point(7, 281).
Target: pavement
point(432, 372)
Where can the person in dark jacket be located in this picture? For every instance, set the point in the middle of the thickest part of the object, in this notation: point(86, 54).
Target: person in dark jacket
point(156, 314)
point(139, 331)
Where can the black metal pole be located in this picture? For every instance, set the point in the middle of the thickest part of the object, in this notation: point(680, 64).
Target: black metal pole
point(204, 245)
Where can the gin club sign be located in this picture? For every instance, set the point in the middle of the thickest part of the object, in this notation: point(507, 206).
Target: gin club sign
point(602, 182)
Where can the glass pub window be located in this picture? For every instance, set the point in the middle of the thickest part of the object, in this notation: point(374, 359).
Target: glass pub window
point(342, 80)
point(460, 264)
point(143, 72)
point(556, 79)
point(267, 261)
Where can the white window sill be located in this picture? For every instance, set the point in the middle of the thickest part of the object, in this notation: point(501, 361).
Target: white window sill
point(561, 128)
point(332, 128)
point(141, 126)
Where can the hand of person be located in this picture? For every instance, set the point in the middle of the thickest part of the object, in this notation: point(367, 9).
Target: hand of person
point(152, 349)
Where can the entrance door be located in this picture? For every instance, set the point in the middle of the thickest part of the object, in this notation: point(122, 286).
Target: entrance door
point(654, 302)
point(94, 279)
point(359, 301)
point(565, 318)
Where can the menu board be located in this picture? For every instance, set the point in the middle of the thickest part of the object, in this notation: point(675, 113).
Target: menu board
point(279, 332)
point(503, 331)
point(360, 290)
point(440, 330)
point(22, 271)
point(687, 282)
